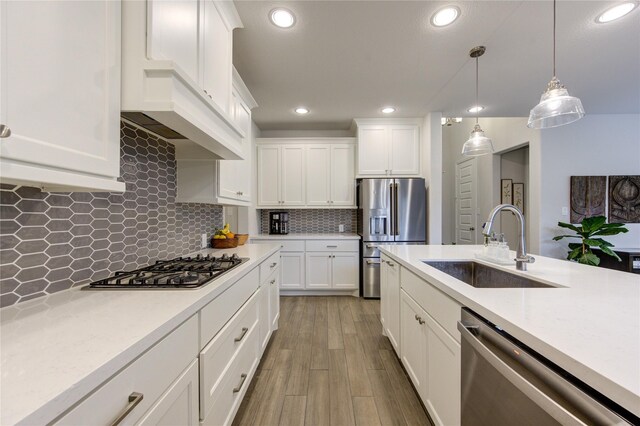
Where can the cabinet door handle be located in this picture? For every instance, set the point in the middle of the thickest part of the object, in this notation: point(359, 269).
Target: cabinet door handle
point(332, 246)
point(241, 336)
point(416, 317)
point(5, 131)
point(134, 400)
point(420, 321)
point(391, 264)
point(371, 262)
point(273, 265)
point(243, 377)
point(273, 282)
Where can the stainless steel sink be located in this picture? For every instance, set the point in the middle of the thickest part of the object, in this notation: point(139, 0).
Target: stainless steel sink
point(482, 276)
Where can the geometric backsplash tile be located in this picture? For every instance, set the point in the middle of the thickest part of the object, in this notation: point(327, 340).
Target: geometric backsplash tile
point(321, 221)
point(52, 241)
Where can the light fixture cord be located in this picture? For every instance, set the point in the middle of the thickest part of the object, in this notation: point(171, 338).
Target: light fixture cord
point(477, 109)
point(554, 38)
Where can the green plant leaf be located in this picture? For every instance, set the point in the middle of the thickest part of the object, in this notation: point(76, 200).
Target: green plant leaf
point(575, 245)
point(574, 253)
point(593, 223)
point(610, 231)
point(559, 237)
point(569, 226)
point(603, 243)
point(610, 252)
point(589, 259)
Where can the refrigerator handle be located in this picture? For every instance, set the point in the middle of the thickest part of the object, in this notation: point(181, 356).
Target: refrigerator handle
point(395, 209)
point(392, 230)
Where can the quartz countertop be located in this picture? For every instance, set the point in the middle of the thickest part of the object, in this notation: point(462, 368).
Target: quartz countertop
point(310, 236)
point(58, 348)
point(590, 326)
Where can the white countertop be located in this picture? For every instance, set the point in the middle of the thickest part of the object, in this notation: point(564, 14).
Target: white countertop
point(58, 348)
point(589, 327)
point(333, 236)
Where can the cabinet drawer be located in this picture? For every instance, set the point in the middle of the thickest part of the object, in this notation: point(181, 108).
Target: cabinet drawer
point(216, 314)
point(268, 266)
point(225, 400)
point(285, 245)
point(219, 353)
point(150, 375)
point(332, 245)
point(441, 307)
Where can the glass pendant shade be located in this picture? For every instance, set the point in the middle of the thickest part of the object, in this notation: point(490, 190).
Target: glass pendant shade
point(556, 108)
point(477, 144)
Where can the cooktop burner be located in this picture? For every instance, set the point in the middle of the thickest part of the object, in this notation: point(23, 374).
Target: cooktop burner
point(182, 272)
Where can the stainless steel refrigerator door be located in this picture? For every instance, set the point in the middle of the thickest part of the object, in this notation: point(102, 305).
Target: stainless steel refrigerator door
point(410, 210)
point(375, 207)
point(371, 277)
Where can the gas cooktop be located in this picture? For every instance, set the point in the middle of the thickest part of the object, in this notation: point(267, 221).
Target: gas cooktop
point(182, 272)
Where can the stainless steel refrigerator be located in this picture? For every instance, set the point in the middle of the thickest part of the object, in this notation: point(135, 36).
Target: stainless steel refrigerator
point(390, 211)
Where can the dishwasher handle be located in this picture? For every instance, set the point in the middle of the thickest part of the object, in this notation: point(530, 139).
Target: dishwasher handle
point(579, 400)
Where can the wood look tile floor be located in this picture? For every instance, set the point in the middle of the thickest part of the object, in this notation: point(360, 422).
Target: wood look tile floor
point(329, 364)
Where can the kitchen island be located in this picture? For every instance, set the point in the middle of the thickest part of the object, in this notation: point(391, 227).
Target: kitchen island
point(588, 322)
point(60, 349)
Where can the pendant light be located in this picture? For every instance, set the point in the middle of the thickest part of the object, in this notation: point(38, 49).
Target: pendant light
point(556, 107)
point(478, 143)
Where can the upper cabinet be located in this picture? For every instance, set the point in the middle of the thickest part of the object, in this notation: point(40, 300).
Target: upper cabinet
point(306, 173)
point(202, 180)
point(61, 113)
point(388, 148)
point(177, 73)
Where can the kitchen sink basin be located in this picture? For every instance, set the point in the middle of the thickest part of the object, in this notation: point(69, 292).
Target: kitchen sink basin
point(482, 276)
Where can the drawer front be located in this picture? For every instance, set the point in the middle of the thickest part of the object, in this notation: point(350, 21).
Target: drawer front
point(268, 266)
point(150, 375)
point(216, 314)
point(441, 307)
point(219, 353)
point(332, 245)
point(285, 245)
point(226, 399)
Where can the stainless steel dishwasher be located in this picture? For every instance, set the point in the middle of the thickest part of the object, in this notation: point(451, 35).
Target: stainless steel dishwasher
point(506, 383)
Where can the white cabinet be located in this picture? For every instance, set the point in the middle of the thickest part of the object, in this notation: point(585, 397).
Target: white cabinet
point(390, 300)
point(388, 149)
point(292, 270)
point(269, 306)
point(215, 52)
point(281, 175)
point(179, 404)
point(306, 173)
point(63, 113)
point(413, 341)
point(274, 301)
point(330, 175)
point(334, 270)
point(226, 182)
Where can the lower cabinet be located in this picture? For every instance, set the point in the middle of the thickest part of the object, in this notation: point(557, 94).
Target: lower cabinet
point(274, 301)
point(292, 271)
point(269, 307)
point(332, 270)
point(414, 343)
point(390, 300)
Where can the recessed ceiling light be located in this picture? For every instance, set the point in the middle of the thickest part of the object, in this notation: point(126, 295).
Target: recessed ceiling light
point(388, 110)
point(445, 16)
point(616, 12)
point(282, 18)
point(302, 110)
point(476, 108)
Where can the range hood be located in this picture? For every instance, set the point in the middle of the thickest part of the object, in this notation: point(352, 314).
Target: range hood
point(159, 96)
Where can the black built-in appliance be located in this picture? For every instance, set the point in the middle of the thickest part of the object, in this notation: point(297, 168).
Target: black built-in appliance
point(278, 223)
point(182, 272)
point(629, 259)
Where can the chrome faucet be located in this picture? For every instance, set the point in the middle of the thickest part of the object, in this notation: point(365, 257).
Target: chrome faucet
point(522, 258)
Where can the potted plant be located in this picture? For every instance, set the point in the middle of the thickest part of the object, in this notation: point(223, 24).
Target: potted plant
point(589, 231)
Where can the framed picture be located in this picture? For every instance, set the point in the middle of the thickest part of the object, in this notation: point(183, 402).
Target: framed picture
point(518, 196)
point(506, 191)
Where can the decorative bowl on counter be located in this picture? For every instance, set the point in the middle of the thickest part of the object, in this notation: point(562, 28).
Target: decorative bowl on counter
point(242, 238)
point(225, 243)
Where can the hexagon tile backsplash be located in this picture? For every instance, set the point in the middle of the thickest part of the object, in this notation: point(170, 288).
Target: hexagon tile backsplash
point(53, 241)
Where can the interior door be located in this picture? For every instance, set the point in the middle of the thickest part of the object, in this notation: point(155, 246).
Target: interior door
point(466, 202)
point(410, 210)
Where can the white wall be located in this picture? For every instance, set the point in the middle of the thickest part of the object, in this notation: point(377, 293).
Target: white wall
point(507, 134)
point(432, 160)
point(597, 145)
point(514, 165)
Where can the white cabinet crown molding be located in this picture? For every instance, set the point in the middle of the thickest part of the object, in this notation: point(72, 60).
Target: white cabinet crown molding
point(305, 140)
point(245, 94)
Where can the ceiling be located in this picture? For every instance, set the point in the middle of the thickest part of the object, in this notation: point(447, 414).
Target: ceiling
point(348, 59)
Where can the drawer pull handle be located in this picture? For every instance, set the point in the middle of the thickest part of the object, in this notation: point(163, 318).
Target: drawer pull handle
point(243, 377)
point(332, 246)
point(134, 400)
point(239, 338)
point(273, 281)
point(274, 264)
